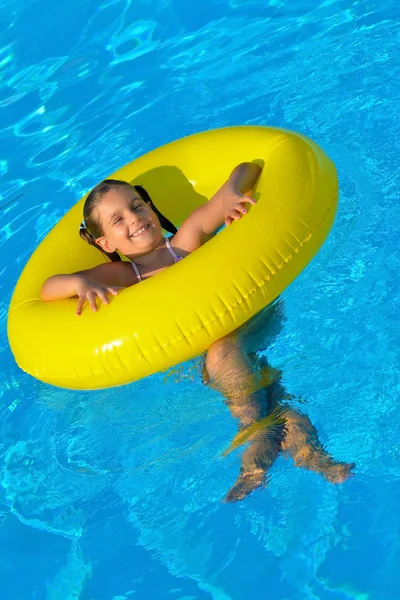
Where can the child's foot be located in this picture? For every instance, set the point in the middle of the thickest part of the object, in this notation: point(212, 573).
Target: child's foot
point(245, 484)
point(317, 460)
point(338, 472)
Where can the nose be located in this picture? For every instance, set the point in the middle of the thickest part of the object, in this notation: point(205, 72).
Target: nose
point(132, 217)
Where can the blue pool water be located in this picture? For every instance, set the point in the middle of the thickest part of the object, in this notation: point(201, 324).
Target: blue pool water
point(117, 494)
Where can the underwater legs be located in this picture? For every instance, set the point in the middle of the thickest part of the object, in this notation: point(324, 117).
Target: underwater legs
point(255, 397)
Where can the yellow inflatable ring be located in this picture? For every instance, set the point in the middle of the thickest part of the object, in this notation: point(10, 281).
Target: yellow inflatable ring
point(176, 315)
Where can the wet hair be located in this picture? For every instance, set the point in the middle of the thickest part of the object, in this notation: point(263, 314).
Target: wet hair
point(90, 229)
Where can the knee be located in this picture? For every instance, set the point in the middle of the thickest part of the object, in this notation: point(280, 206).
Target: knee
point(217, 354)
point(299, 431)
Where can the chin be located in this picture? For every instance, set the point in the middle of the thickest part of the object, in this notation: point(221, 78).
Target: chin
point(143, 245)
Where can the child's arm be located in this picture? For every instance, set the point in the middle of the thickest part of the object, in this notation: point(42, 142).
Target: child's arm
point(87, 285)
point(227, 205)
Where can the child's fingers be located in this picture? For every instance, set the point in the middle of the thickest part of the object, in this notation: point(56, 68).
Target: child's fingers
point(102, 294)
point(91, 297)
point(235, 214)
point(245, 199)
point(79, 305)
point(114, 290)
point(92, 301)
point(238, 208)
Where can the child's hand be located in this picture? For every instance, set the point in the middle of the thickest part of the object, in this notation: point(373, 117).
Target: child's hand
point(89, 290)
point(234, 206)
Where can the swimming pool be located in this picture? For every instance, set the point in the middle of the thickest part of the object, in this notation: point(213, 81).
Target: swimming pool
point(117, 494)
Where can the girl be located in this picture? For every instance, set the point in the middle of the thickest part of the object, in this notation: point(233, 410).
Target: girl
point(121, 218)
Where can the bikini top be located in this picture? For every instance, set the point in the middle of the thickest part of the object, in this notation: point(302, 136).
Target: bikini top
point(174, 255)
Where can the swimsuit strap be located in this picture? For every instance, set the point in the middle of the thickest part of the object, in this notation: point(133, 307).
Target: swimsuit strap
point(174, 255)
point(135, 268)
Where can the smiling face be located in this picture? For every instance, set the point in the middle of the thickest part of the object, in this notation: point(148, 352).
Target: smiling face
point(128, 223)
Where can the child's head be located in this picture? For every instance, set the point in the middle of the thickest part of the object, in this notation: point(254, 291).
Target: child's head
point(120, 217)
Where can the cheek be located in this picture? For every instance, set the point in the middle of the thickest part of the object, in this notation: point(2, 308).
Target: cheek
point(152, 217)
point(114, 235)
point(156, 226)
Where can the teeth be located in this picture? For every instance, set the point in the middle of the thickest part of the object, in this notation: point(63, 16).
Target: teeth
point(140, 231)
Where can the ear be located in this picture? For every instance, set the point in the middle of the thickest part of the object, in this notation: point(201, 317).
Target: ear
point(105, 244)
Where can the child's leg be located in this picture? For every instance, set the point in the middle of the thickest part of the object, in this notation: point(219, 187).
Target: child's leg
point(231, 372)
point(301, 442)
point(252, 393)
point(228, 369)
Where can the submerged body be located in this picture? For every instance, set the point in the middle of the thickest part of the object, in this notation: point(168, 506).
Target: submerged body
point(257, 398)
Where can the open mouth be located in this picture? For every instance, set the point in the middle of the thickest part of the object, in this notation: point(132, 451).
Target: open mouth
point(140, 231)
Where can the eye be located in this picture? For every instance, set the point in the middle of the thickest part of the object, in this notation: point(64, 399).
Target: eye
point(136, 206)
point(117, 220)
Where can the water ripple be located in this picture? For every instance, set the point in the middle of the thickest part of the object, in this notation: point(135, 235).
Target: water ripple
point(123, 78)
point(134, 41)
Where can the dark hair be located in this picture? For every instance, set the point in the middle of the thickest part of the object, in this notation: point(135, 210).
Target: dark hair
point(90, 228)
